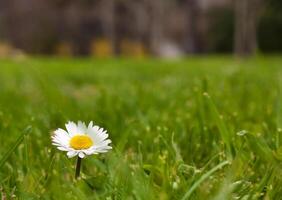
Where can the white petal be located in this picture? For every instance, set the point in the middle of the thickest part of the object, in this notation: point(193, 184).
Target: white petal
point(103, 148)
point(63, 148)
point(81, 155)
point(81, 127)
point(72, 128)
point(96, 151)
point(71, 154)
point(97, 134)
point(60, 131)
point(88, 151)
point(60, 138)
point(90, 125)
point(103, 143)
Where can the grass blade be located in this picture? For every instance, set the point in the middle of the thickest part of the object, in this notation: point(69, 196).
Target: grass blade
point(225, 134)
point(14, 146)
point(204, 177)
point(261, 148)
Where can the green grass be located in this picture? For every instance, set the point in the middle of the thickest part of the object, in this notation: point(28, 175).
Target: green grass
point(199, 128)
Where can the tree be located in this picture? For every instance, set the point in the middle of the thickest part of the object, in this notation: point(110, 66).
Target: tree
point(246, 17)
point(191, 40)
point(156, 25)
point(108, 19)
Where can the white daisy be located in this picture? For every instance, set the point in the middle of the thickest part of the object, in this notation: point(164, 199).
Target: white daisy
point(81, 140)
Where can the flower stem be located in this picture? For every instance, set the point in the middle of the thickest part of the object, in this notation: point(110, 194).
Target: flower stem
point(78, 166)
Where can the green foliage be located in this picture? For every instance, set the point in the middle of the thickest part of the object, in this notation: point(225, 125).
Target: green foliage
point(270, 27)
point(201, 128)
point(221, 30)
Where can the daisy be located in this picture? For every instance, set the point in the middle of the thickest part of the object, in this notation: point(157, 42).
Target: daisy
point(81, 140)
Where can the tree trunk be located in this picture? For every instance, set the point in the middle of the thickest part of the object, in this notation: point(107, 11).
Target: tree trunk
point(156, 25)
point(191, 39)
point(108, 19)
point(246, 13)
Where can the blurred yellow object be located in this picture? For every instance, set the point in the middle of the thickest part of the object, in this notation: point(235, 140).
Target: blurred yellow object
point(64, 49)
point(131, 48)
point(5, 50)
point(8, 51)
point(101, 48)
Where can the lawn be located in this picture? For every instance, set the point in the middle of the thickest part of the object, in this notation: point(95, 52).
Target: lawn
point(197, 128)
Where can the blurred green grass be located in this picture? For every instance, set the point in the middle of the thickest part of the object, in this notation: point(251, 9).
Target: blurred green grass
point(197, 128)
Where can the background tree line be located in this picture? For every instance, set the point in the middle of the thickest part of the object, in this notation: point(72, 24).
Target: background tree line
point(159, 27)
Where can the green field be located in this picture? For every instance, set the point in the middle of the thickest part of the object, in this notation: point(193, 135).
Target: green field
point(198, 128)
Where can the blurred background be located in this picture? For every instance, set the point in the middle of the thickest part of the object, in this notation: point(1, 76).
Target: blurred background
point(139, 28)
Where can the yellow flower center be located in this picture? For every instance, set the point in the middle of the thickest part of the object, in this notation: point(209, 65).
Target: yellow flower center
point(79, 142)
